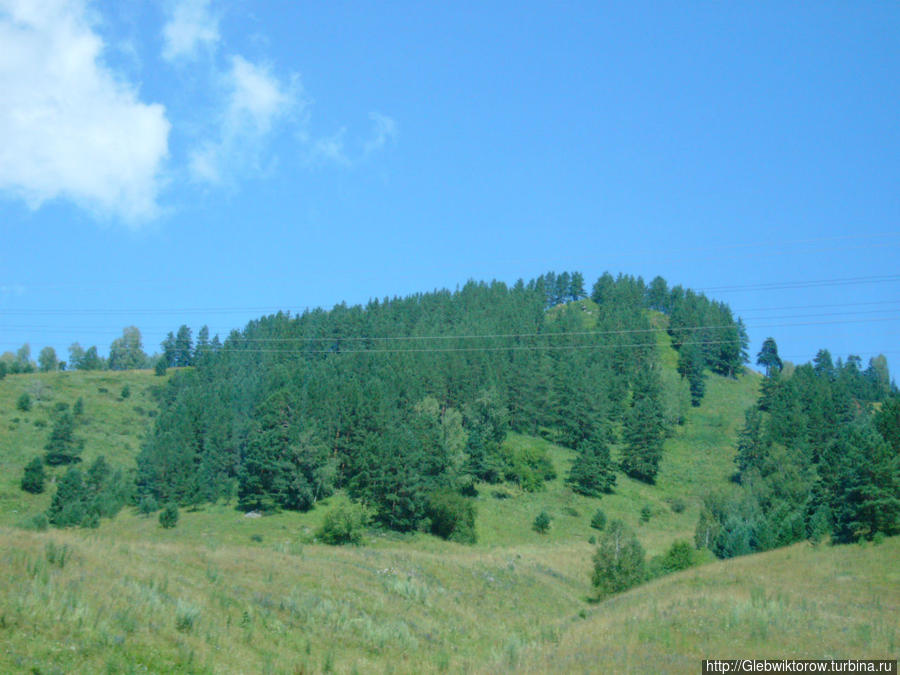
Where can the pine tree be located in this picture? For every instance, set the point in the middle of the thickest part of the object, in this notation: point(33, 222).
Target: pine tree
point(67, 508)
point(34, 477)
point(768, 357)
point(643, 435)
point(62, 446)
point(592, 473)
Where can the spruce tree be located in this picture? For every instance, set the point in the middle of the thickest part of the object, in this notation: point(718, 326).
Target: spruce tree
point(62, 446)
point(643, 435)
point(592, 473)
point(67, 507)
point(33, 480)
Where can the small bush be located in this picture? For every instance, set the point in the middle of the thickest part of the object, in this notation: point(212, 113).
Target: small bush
point(677, 505)
point(257, 538)
point(147, 505)
point(646, 512)
point(186, 617)
point(160, 367)
point(37, 522)
point(569, 511)
point(40, 424)
point(343, 525)
point(23, 403)
point(78, 408)
point(126, 391)
point(541, 523)
point(168, 517)
point(61, 406)
point(598, 520)
point(592, 540)
point(680, 556)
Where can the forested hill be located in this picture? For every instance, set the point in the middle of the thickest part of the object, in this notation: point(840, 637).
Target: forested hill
point(405, 402)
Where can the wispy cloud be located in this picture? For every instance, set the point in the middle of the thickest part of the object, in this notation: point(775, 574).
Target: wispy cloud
point(256, 100)
point(333, 149)
point(384, 131)
point(191, 25)
point(72, 128)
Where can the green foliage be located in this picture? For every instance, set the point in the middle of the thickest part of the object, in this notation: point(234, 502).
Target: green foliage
point(646, 513)
point(62, 446)
point(452, 516)
point(346, 407)
point(680, 556)
point(82, 499)
point(23, 403)
point(34, 476)
point(541, 523)
point(343, 525)
point(67, 508)
point(47, 361)
point(160, 368)
point(126, 392)
point(147, 505)
point(643, 435)
point(598, 520)
point(78, 408)
point(619, 560)
point(168, 517)
point(126, 352)
point(768, 357)
point(592, 473)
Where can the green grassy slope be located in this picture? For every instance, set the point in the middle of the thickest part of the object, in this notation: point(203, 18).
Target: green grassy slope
point(159, 606)
point(111, 425)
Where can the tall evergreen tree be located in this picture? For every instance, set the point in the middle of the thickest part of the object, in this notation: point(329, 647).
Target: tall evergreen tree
point(592, 473)
point(643, 436)
point(768, 357)
point(62, 446)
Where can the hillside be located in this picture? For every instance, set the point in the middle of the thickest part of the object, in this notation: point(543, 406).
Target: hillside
point(80, 603)
point(111, 425)
point(244, 584)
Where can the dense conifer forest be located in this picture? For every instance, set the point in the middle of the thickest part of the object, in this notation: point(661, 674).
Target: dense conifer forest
point(408, 399)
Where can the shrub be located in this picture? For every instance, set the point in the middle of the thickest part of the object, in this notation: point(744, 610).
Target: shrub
point(452, 517)
point(147, 505)
point(680, 556)
point(343, 525)
point(126, 391)
point(168, 517)
point(677, 505)
point(33, 480)
point(598, 520)
point(619, 560)
point(186, 616)
point(541, 524)
point(78, 408)
point(23, 403)
point(160, 367)
point(646, 512)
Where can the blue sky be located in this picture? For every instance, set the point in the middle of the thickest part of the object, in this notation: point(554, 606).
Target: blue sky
point(207, 162)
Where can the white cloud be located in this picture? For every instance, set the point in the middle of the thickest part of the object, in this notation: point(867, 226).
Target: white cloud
point(256, 101)
point(190, 25)
point(385, 131)
point(69, 127)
